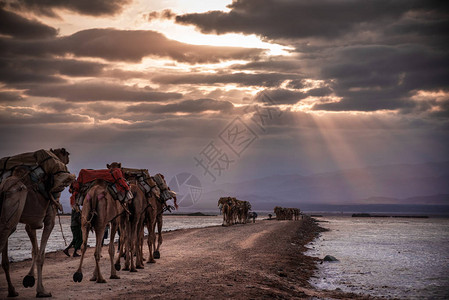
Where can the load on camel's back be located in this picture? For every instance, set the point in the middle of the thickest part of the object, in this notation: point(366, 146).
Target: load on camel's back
point(116, 184)
point(31, 184)
point(45, 169)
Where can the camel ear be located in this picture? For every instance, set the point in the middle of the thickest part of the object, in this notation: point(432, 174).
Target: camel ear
point(120, 165)
point(108, 165)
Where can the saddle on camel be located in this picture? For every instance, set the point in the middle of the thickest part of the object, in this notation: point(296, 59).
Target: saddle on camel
point(114, 178)
point(31, 184)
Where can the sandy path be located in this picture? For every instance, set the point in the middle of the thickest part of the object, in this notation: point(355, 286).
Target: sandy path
point(251, 261)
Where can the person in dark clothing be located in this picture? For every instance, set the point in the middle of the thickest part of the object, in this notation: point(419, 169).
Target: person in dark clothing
point(105, 235)
point(77, 234)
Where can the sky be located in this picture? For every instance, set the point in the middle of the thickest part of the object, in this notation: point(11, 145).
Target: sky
point(226, 91)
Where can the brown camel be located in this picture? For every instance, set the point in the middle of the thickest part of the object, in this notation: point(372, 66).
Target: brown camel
point(165, 195)
point(145, 212)
point(131, 227)
point(33, 203)
point(99, 209)
point(226, 205)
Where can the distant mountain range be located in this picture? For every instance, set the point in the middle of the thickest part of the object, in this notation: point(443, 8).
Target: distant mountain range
point(401, 184)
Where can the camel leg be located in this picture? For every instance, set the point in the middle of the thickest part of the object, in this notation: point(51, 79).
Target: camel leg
point(138, 246)
point(99, 232)
point(29, 280)
point(129, 250)
point(121, 244)
point(49, 224)
point(78, 276)
point(127, 244)
point(5, 265)
point(151, 239)
point(112, 251)
point(157, 254)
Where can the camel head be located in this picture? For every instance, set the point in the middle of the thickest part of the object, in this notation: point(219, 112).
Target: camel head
point(62, 154)
point(114, 165)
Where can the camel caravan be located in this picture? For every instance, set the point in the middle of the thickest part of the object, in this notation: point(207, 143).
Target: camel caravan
point(129, 200)
point(234, 211)
point(283, 213)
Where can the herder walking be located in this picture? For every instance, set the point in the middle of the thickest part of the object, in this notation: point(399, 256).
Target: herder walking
point(77, 239)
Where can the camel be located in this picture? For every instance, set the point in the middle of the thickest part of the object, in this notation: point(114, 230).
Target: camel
point(132, 226)
point(241, 210)
point(161, 204)
point(33, 203)
point(296, 212)
point(99, 209)
point(225, 205)
point(279, 211)
point(144, 214)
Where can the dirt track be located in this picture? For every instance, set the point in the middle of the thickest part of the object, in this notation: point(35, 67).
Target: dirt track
point(250, 261)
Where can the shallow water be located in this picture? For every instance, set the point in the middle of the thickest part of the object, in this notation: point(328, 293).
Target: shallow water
point(387, 257)
point(19, 245)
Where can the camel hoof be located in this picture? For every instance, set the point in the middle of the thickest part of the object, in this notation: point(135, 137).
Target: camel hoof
point(151, 261)
point(78, 277)
point(156, 254)
point(126, 268)
point(93, 278)
point(133, 270)
point(139, 267)
point(28, 281)
point(114, 277)
point(43, 295)
point(101, 281)
point(117, 267)
point(13, 293)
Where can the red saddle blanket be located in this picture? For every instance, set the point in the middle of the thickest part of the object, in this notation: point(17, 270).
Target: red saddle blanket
point(114, 176)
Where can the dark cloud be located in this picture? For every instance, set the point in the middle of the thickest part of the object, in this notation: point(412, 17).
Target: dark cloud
point(126, 45)
point(17, 26)
point(297, 18)
point(186, 106)
point(243, 79)
point(319, 92)
point(88, 91)
point(29, 70)
point(10, 97)
point(16, 72)
point(28, 117)
point(283, 65)
point(58, 106)
point(166, 14)
point(280, 96)
point(85, 7)
point(384, 77)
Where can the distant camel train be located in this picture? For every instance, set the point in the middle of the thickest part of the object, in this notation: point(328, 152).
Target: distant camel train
point(234, 211)
point(286, 213)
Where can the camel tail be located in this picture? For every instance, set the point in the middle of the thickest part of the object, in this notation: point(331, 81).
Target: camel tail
point(92, 196)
